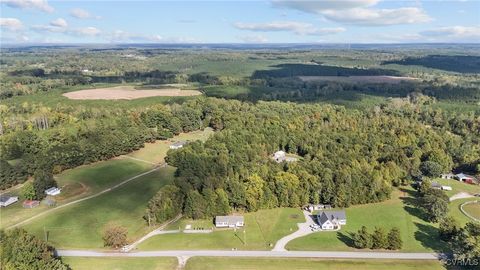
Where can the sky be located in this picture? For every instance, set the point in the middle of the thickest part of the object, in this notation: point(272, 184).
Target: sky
point(269, 21)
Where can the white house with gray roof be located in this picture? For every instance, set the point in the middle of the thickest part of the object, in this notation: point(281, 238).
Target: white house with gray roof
point(229, 221)
point(177, 145)
point(6, 200)
point(330, 220)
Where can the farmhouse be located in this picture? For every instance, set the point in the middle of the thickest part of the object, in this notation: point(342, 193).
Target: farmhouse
point(6, 200)
point(330, 220)
point(177, 145)
point(229, 221)
point(30, 203)
point(447, 176)
point(53, 191)
point(281, 156)
point(466, 178)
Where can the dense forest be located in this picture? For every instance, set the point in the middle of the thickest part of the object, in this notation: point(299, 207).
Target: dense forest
point(347, 157)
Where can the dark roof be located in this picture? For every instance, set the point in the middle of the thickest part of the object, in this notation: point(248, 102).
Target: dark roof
point(322, 218)
point(331, 215)
point(4, 198)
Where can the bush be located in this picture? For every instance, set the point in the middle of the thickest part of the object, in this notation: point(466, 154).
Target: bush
point(115, 236)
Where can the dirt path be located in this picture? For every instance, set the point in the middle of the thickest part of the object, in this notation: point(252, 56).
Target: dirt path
point(461, 195)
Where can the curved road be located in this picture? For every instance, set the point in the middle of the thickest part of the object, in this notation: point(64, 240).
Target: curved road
point(225, 253)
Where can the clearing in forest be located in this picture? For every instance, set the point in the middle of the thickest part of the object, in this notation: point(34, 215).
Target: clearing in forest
point(129, 92)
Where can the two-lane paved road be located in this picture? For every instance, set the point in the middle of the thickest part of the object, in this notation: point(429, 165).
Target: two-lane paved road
point(278, 254)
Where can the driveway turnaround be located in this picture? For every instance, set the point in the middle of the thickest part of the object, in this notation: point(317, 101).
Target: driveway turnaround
point(277, 254)
point(303, 229)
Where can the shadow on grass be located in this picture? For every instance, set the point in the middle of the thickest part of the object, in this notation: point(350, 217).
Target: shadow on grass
point(346, 238)
point(411, 204)
point(428, 236)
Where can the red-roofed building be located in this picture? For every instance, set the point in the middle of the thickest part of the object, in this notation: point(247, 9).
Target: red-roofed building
point(30, 203)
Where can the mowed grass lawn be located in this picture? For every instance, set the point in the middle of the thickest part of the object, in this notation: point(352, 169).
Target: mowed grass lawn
point(156, 152)
point(77, 183)
point(89, 263)
point(205, 263)
point(401, 211)
point(82, 224)
point(263, 228)
point(473, 209)
point(458, 186)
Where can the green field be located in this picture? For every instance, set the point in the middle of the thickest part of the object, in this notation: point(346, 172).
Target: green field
point(83, 263)
point(90, 179)
point(82, 225)
point(77, 183)
point(203, 263)
point(473, 209)
point(400, 211)
point(263, 228)
point(458, 186)
point(156, 152)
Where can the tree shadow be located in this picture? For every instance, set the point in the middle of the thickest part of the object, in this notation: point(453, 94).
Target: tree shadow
point(411, 204)
point(346, 238)
point(428, 236)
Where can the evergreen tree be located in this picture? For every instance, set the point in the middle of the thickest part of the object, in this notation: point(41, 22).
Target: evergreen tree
point(394, 239)
point(362, 238)
point(379, 238)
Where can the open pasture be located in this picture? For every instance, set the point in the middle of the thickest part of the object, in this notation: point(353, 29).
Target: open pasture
point(128, 92)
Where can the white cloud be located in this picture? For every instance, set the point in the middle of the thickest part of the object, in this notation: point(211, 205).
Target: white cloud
point(319, 6)
point(11, 24)
point(359, 12)
point(454, 33)
point(376, 17)
point(123, 36)
point(41, 5)
point(82, 14)
point(254, 39)
point(56, 26)
point(298, 28)
point(85, 31)
point(59, 23)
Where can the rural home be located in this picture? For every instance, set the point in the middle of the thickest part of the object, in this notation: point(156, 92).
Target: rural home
point(466, 178)
point(229, 221)
point(281, 156)
point(447, 176)
point(177, 145)
point(330, 220)
point(30, 203)
point(436, 185)
point(6, 200)
point(313, 207)
point(53, 191)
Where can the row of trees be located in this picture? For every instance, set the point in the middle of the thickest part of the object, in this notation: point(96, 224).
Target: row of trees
point(378, 239)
